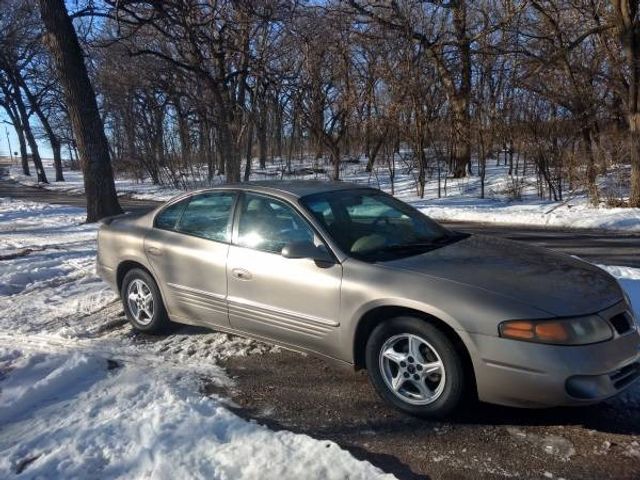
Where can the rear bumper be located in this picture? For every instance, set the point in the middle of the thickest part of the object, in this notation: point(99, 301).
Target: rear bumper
point(107, 274)
point(522, 374)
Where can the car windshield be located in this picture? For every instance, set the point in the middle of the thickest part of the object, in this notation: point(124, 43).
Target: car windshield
point(373, 226)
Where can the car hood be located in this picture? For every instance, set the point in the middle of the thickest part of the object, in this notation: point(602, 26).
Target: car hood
point(550, 281)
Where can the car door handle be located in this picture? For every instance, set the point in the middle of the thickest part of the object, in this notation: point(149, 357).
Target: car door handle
point(241, 274)
point(154, 251)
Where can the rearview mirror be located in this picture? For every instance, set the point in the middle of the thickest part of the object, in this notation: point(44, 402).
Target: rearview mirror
point(306, 249)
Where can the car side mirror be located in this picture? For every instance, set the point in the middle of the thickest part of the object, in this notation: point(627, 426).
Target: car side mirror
point(305, 249)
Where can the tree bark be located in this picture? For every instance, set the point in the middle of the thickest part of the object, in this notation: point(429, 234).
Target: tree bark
point(53, 138)
point(62, 41)
point(591, 166)
point(23, 151)
point(247, 168)
point(628, 25)
point(17, 126)
point(28, 133)
point(261, 133)
point(461, 100)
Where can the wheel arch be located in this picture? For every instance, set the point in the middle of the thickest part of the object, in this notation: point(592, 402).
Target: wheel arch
point(126, 266)
point(373, 317)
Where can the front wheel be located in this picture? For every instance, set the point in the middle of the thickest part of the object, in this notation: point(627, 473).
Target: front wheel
point(415, 367)
point(143, 303)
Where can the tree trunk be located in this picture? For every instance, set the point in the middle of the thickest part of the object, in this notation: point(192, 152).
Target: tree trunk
point(28, 133)
point(53, 138)
point(461, 100)
point(183, 132)
point(628, 26)
point(247, 168)
point(591, 166)
point(278, 113)
point(87, 125)
point(261, 133)
point(229, 154)
point(57, 157)
point(461, 155)
point(634, 133)
point(334, 150)
point(23, 151)
point(17, 126)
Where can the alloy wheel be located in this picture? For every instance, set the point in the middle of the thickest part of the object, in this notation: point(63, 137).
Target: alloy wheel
point(412, 369)
point(140, 301)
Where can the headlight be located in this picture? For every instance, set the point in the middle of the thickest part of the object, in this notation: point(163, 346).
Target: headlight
point(571, 331)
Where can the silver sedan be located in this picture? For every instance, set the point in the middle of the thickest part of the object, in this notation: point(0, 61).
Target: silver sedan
point(365, 280)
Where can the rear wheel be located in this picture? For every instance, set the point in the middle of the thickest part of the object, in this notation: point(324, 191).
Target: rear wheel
point(415, 367)
point(143, 303)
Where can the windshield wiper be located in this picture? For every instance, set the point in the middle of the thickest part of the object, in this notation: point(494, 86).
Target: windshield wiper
point(409, 246)
point(432, 244)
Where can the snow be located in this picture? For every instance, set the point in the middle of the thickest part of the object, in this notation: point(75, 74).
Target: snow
point(73, 418)
point(460, 199)
point(82, 396)
point(629, 279)
point(48, 265)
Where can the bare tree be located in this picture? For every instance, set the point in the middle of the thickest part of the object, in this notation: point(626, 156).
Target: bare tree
point(88, 128)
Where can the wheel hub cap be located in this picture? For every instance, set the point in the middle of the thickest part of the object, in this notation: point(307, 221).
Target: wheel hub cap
point(412, 369)
point(140, 301)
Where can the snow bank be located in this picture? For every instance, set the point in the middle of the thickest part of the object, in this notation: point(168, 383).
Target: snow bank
point(534, 213)
point(74, 184)
point(629, 279)
point(38, 379)
point(48, 265)
point(66, 416)
point(459, 200)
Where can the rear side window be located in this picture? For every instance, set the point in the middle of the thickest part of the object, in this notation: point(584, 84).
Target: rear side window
point(168, 218)
point(208, 216)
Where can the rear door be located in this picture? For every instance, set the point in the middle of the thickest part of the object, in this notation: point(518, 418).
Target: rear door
point(188, 249)
point(293, 301)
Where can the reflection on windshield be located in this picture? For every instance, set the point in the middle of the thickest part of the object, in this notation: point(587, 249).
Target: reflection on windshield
point(374, 226)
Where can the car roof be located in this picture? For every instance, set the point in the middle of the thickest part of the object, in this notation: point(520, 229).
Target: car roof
point(296, 188)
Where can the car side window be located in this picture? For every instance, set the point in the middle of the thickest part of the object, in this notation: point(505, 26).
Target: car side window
point(207, 216)
point(268, 224)
point(168, 217)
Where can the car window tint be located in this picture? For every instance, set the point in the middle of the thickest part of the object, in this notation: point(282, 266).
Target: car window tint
point(168, 218)
point(373, 226)
point(268, 224)
point(370, 210)
point(322, 210)
point(207, 216)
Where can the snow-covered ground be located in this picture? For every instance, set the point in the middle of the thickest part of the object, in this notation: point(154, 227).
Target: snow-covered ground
point(81, 399)
point(459, 200)
point(73, 415)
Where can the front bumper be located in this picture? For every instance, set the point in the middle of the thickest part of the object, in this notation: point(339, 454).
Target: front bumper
point(521, 374)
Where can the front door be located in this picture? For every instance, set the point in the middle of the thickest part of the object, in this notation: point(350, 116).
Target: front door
point(188, 249)
point(292, 301)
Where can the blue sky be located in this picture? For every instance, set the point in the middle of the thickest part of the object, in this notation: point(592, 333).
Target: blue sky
point(43, 145)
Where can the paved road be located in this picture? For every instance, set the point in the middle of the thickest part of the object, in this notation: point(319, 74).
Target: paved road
point(593, 245)
point(9, 188)
point(304, 394)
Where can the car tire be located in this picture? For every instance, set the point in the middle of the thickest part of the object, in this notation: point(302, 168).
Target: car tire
point(143, 303)
point(429, 383)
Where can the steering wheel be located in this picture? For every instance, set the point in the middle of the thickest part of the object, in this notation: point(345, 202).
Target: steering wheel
point(381, 218)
